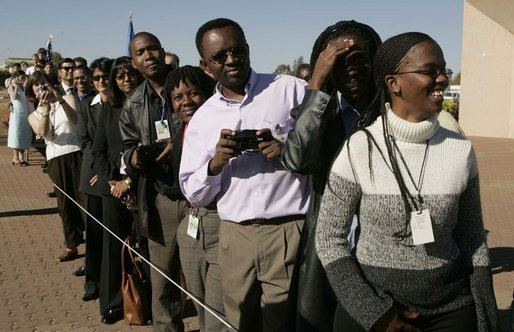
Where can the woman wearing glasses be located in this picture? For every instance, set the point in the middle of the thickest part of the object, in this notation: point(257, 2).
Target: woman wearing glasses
point(421, 261)
point(120, 80)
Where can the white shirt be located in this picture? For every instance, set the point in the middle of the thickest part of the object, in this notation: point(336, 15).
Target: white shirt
point(62, 136)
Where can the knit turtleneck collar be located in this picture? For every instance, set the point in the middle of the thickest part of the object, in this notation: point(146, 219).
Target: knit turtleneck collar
point(411, 132)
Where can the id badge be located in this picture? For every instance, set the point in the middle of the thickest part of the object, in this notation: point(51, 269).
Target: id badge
point(192, 226)
point(421, 227)
point(162, 129)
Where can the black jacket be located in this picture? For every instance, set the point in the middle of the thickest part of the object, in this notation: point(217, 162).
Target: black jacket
point(106, 150)
point(135, 128)
point(87, 123)
point(312, 144)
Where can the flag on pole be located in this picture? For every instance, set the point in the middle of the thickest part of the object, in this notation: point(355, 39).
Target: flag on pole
point(130, 34)
point(49, 51)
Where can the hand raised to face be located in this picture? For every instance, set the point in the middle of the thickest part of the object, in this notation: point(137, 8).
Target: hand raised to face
point(327, 60)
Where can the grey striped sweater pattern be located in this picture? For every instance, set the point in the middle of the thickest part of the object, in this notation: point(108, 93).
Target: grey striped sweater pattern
point(448, 274)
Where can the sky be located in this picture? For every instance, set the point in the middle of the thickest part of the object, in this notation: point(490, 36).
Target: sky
point(278, 31)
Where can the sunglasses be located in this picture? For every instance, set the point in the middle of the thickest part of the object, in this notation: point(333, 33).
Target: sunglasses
point(122, 76)
point(98, 77)
point(433, 72)
point(68, 68)
point(220, 57)
point(80, 78)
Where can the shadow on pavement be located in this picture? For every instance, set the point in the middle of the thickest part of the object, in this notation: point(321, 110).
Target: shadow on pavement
point(37, 212)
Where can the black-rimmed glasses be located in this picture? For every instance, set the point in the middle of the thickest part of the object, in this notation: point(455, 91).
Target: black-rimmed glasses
point(220, 57)
point(433, 72)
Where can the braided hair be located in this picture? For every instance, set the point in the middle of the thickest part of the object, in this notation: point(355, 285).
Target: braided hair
point(344, 28)
point(189, 75)
point(388, 59)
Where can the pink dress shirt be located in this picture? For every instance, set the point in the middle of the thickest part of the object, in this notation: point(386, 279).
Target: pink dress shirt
point(249, 186)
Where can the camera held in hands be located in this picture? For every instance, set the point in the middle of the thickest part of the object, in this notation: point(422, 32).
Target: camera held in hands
point(247, 139)
point(43, 88)
point(147, 154)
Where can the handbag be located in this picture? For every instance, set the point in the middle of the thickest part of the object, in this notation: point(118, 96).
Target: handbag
point(135, 289)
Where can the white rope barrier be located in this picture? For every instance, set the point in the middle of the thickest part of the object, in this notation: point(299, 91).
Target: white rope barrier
point(194, 298)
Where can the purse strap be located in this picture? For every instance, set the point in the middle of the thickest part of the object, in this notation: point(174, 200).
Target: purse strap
point(123, 249)
point(132, 259)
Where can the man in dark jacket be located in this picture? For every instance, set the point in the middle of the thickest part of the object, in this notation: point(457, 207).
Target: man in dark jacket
point(145, 122)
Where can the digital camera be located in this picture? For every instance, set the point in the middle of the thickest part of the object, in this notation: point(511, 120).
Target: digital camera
point(43, 88)
point(147, 154)
point(247, 139)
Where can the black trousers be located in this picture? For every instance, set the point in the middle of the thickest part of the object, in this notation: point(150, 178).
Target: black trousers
point(118, 219)
point(64, 171)
point(94, 241)
point(460, 320)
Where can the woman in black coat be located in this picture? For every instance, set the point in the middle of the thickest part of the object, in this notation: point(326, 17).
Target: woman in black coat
point(106, 160)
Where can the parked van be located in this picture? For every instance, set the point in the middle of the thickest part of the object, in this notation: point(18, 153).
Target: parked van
point(451, 95)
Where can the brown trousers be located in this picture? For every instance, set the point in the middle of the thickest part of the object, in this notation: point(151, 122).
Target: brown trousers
point(256, 261)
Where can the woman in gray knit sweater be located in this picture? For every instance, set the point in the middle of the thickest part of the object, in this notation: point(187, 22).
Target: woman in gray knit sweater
point(421, 261)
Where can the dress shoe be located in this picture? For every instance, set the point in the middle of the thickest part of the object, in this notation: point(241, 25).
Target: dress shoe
point(112, 316)
point(68, 255)
point(90, 292)
point(51, 194)
point(80, 272)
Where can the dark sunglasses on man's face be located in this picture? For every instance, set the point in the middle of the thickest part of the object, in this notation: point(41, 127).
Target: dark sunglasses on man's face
point(80, 78)
point(220, 57)
point(68, 68)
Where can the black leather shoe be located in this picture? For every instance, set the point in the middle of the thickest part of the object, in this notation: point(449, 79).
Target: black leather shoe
point(51, 194)
point(80, 272)
point(90, 293)
point(112, 316)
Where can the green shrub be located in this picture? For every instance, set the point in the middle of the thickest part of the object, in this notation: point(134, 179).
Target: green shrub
point(452, 107)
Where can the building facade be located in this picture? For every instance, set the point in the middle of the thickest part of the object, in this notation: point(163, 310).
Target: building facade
point(487, 69)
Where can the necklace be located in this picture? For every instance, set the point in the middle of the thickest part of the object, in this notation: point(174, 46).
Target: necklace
point(419, 185)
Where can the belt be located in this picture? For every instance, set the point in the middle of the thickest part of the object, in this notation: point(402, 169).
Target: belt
point(273, 221)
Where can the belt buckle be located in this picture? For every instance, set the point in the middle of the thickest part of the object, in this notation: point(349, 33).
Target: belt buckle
point(259, 221)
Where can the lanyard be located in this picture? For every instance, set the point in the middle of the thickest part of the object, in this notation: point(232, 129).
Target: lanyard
point(417, 186)
point(163, 111)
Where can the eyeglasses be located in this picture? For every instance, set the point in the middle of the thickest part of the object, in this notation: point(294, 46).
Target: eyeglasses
point(80, 78)
point(122, 76)
point(68, 68)
point(220, 57)
point(433, 72)
point(98, 77)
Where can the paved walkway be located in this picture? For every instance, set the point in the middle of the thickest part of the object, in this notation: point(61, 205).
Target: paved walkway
point(39, 294)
